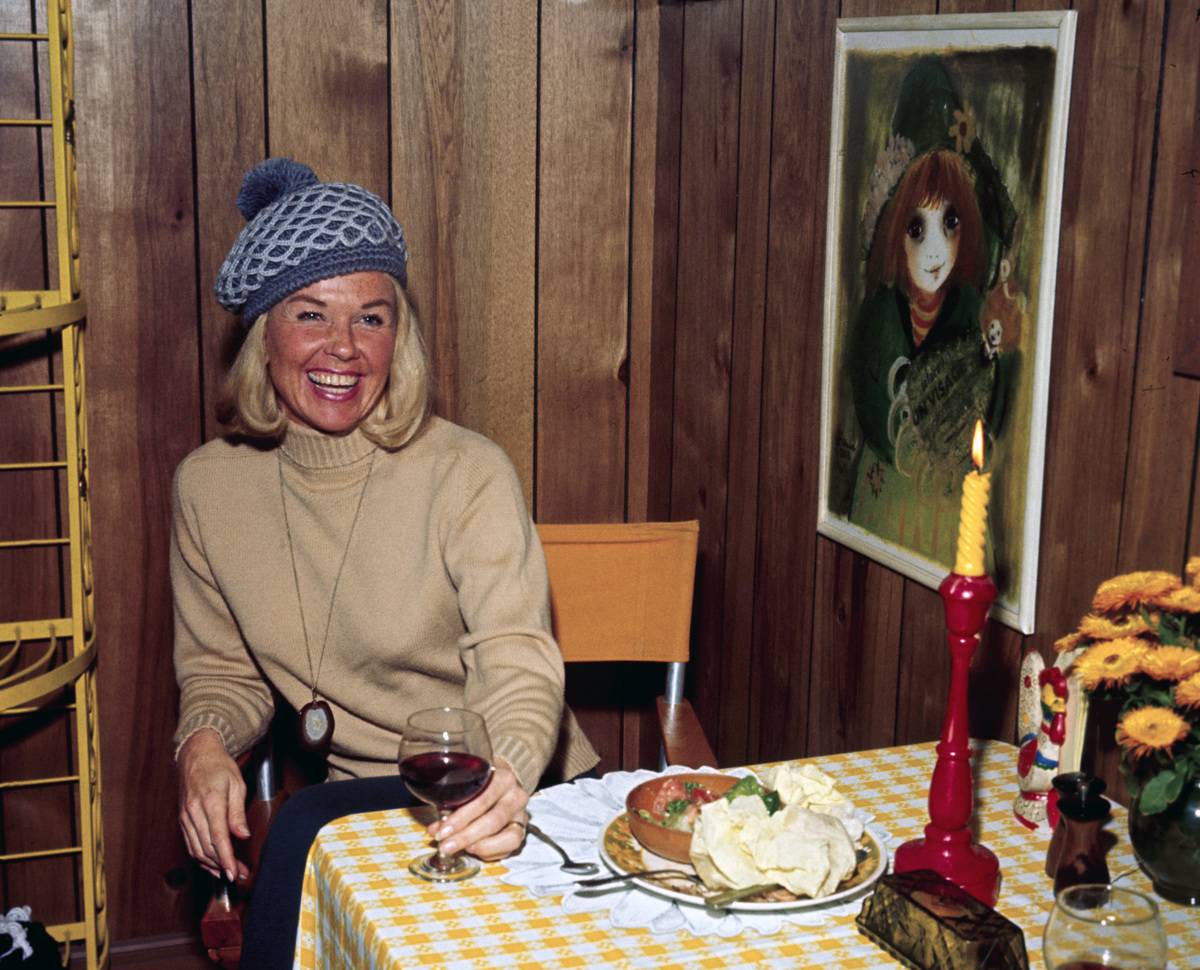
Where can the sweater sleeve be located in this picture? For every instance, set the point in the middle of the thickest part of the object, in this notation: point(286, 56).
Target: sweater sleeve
point(514, 669)
point(220, 686)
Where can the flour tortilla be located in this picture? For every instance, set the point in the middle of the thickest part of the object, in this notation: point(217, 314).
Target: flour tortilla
point(739, 844)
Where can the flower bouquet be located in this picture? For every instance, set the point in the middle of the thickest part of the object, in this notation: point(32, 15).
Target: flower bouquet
point(1139, 646)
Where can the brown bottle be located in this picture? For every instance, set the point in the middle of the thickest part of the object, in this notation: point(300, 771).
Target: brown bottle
point(1080, 853)
point(1066, 785)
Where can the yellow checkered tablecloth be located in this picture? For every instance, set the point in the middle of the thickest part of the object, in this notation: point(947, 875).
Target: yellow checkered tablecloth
point(363, 910)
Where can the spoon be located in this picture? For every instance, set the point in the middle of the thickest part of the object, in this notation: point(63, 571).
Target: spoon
point(569, 865)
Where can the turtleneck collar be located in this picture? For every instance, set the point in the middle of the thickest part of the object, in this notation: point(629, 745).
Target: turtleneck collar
point(315, 449)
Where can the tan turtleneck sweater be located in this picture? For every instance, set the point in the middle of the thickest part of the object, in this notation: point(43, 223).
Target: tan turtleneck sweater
point(442, 599)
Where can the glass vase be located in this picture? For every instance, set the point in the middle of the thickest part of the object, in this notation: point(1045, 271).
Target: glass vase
point(1167, 845)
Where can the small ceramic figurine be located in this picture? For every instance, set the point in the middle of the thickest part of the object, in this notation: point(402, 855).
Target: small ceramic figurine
point(1042, 719)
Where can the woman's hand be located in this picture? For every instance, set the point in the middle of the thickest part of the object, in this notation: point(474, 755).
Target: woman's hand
point(212, 804)
point(491, 825)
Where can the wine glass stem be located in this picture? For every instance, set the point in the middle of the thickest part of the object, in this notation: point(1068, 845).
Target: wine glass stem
point(443, 860)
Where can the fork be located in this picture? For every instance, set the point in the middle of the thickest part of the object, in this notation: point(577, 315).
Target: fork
point(602, 881)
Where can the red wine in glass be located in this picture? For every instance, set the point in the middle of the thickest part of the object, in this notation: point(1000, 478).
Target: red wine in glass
point(445, 761)
point(445, 779)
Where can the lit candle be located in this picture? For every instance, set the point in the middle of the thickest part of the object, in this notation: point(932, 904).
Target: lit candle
point(972, 522)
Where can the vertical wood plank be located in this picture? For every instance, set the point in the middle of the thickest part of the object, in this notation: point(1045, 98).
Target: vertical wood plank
point(852, 697)
point(137, 225)
point(227, 52)
point(583, 251)
point(749, 301)
point(787, 468)
point(704, 292)
point(1166, 407)
point(327, 88)
point(464, 168)
point(654, 223)
point(667, 149)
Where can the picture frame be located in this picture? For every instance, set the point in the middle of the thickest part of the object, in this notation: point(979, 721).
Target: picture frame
point(947, 150)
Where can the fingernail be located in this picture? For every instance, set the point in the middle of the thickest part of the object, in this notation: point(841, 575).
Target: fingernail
point(449, 847)
point(445, 832)
point(229, 875)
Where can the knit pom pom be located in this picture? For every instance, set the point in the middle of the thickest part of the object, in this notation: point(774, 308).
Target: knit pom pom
point(271, 180)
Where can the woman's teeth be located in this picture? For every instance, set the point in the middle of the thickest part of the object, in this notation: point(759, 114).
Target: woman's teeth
point(327, 379)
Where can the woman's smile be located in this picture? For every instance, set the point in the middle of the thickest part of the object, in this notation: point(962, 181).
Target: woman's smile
point(334, 385)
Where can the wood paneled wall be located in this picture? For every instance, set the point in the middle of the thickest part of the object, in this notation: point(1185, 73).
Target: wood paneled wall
point(617, 212)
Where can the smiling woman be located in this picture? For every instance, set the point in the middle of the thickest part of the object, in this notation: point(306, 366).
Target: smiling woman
point(346, 551)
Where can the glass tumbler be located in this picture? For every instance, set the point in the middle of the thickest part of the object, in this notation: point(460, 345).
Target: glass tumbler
point(1098, 925)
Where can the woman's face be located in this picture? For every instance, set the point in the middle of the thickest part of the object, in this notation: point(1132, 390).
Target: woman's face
point(931, 246)
point(329, 349)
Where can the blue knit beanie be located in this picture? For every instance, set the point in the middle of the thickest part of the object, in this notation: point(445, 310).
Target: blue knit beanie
point(300, 230)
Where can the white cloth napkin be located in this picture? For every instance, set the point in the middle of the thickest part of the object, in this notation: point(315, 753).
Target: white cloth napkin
point(575, 815)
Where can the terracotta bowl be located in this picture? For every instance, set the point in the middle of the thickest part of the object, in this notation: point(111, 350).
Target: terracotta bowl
point(671, 844)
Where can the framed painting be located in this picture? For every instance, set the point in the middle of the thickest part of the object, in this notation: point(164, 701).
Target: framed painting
point(945, 187)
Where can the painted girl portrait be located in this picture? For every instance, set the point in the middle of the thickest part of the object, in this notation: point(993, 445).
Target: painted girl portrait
point(940, 225)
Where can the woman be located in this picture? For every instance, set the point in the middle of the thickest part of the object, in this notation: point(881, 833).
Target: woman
point(351, 553)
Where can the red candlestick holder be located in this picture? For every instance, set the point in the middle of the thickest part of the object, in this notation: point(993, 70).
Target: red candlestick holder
point(948, 847)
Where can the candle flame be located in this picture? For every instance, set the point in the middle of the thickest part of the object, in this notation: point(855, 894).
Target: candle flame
point(977, 445)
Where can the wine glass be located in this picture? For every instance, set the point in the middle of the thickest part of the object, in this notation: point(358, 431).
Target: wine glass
point(445, 761)
point(1098, 925)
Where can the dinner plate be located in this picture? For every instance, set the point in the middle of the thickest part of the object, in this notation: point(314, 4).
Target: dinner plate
point(623, 853)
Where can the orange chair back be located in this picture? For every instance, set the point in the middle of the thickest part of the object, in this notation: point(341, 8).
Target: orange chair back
point(623, 590)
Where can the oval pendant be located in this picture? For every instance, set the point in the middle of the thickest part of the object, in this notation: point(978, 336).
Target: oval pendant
point(316, 726)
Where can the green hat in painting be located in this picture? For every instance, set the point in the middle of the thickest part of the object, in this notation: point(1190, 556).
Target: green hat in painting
point(930, 115)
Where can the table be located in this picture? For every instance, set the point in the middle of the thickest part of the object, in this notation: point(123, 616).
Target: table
point(362, 909)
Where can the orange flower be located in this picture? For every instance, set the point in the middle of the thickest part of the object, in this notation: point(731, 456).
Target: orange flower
point(1170, 663)
point(1133, 589)
point(1110, 662)
point(1068, 642)
point(1186, 599)
point(1151, 729)
point(1187, 692)
point(1191, 572)
point(1098, 627)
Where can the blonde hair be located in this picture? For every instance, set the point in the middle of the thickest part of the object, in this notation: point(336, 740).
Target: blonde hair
point(248, 405)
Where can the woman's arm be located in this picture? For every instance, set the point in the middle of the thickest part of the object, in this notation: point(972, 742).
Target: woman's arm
point(224, 704)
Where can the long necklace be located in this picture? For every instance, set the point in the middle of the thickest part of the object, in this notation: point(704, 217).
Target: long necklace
point(316, 719)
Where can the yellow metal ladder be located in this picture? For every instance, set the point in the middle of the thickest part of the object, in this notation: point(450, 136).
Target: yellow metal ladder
point(48, 663)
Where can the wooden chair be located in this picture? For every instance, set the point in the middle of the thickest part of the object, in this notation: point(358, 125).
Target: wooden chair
point(618, 592)
point(623, 592)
